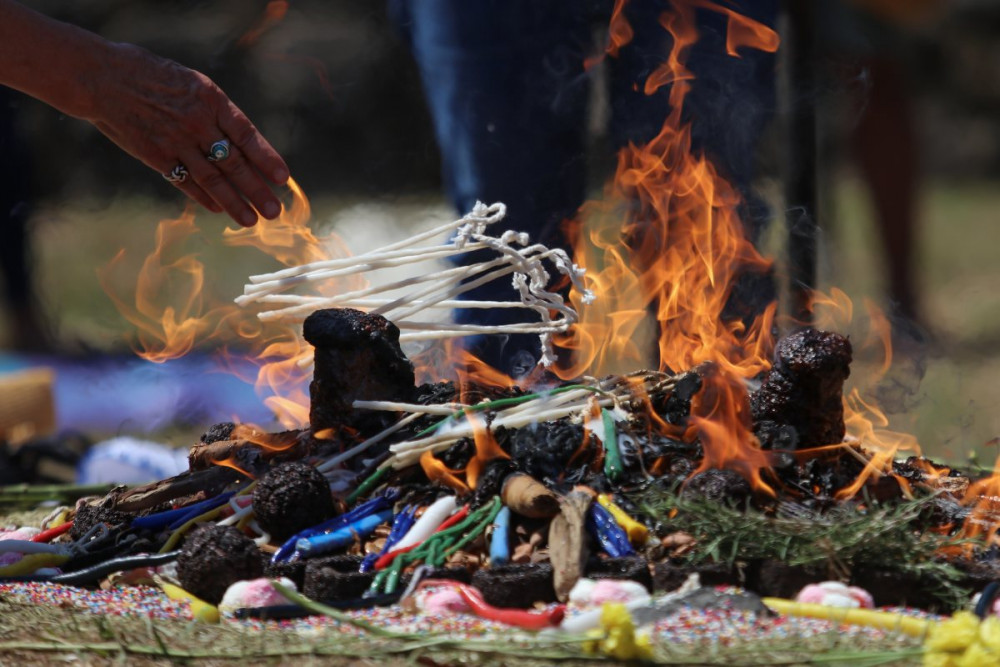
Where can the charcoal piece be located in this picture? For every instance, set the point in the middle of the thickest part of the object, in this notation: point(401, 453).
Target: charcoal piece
point(357, 357)
point(675, 408)
point(634, 568)
point(459, 574)
point(773, 435)
point(942, 511)
point(292, 497)
point(335, 578)
point(544, 450)
point(215, 557)
point(217, 432)
point(516, 585)
point(721, 486)
point(773, 578)
point(491, 481)
point(457, 456)
point(891, 588)
point(804, 387)
point(89, 516)
point(294, 570)
point(669, 575)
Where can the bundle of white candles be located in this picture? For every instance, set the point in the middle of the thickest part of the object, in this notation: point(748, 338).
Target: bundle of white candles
point(511, 256)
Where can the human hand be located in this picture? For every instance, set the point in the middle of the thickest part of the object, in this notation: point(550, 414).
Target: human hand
point(166, 115)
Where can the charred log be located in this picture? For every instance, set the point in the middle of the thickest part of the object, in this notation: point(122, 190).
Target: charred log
point(249, 454)
point(804, 390)
point(357, 357)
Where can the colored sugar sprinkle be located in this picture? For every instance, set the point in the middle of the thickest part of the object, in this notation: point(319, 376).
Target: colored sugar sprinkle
point(125, 601)
point(687, 626)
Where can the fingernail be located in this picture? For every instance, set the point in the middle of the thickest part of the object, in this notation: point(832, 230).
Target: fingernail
point(280, 176)
point(248, 218)
point(271, 210)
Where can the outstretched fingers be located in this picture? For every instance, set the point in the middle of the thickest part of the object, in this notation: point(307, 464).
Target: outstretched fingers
point(244, 136)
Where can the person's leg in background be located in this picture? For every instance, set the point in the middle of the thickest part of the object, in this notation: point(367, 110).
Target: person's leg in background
point(885, 145)
point(506, 88)
point(21, 308)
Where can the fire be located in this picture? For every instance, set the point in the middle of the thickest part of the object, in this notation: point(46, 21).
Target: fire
point(487, 449)
point(274, 442)
point(983, 523)
point(437, 471)
point(667, 239)
point(230, 462)
point(720, 420)
point(173, 313)
point(664, 249)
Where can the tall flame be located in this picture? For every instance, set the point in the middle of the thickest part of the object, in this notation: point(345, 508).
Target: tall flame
point(666, 246)
point(173, 313)
point(667, 239)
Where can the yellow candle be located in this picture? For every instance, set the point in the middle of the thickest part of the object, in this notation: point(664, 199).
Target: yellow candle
point(915, 627)
point(32, 562)
point(201, 610)
point(638, 534)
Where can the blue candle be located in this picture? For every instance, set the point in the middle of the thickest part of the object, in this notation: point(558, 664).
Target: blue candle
point(613, 539)
point(181, 515)
point(320, 544)
point(500, 541)
point(400, 526)
point(374, 505)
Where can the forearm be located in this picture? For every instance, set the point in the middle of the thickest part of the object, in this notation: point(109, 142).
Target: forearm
point(52, 61)
point(160, 112)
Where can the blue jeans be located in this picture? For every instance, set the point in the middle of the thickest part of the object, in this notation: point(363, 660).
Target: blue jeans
point(507, 91)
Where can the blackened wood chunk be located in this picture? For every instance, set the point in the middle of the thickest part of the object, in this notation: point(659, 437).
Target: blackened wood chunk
point(294, 570)
point(89, 516)
point(292, 497)
point(633, 568)
point(516, 585)
point(215, 557)
point(669, 575)
point(804, 389)
point(357, 358)
point(544, 450)
point(720, 486)
point(335, 578)
point(217, 432)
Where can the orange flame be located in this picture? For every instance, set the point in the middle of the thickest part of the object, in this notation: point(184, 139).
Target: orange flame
point(273, 442)
point(230, 462)
point(172, 313)
point(664, 249)
point(437, 471)
point(487, 449)
point(983, 522)
point(720, 420)
point(619, 31)
point(670, 215)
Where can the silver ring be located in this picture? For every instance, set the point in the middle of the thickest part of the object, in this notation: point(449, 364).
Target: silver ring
point(218, 151)
point(177, 175)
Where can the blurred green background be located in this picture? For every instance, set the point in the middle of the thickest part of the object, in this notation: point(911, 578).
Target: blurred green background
point(337, 93)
